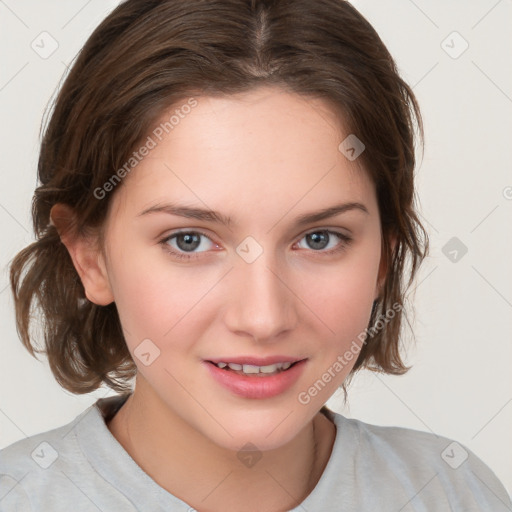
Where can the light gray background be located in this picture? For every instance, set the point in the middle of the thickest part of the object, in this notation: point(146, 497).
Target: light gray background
point(460, 384)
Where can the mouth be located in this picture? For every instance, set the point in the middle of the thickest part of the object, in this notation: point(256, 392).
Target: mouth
point(256, 381)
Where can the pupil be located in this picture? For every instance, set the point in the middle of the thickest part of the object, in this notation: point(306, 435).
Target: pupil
point(189, 242)
point(318, 240)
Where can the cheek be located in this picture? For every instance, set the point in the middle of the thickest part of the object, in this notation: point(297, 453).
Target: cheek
point(341, 294)
point(341, 301)
point(149, 297)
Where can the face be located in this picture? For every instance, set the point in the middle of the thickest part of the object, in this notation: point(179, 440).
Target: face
point(252, 281)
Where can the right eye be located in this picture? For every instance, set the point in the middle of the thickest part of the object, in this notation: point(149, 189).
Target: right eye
point(182, 242)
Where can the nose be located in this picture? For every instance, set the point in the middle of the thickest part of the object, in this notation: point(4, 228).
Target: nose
point(261, 303)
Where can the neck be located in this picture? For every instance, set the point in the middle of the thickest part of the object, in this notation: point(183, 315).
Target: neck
point(280, 480)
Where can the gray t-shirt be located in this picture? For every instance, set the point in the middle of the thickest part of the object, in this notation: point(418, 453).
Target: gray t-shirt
point(81, 467)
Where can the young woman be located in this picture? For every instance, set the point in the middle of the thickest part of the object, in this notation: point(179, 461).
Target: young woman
point(224, 219)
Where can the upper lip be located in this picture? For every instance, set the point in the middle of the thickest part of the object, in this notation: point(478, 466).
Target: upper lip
point(256, 361)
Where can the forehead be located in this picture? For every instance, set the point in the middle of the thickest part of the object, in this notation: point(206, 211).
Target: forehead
point(264, 149)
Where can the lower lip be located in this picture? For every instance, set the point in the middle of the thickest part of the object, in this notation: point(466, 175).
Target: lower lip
point(257, 387)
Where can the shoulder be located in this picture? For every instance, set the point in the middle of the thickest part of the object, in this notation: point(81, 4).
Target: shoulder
point(61, 469)
point(41, 450)
point(63, 445)
point(72, 467)
point(423, 467)
point(32, 464)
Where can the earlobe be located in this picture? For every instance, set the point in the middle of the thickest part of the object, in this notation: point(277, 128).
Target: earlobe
point(87, 258)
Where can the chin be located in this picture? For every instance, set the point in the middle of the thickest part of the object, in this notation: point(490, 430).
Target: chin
point(265, 430)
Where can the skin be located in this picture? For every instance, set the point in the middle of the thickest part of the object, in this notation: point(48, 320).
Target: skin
point(263, 158)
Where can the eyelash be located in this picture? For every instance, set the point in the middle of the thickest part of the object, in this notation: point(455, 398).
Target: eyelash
point(345, 242)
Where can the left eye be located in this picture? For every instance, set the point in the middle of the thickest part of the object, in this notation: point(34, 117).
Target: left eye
point(324, 239)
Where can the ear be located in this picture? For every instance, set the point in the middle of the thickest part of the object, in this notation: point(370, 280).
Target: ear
point(384, 265)
point(87, 259)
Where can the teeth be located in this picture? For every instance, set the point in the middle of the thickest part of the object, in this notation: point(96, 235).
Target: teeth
point(249, 368)
point(252, 369)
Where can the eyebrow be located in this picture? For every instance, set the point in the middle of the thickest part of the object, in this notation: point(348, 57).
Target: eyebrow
point(213, 216)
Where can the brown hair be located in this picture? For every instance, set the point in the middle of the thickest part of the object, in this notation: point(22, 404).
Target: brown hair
point(149, 55)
